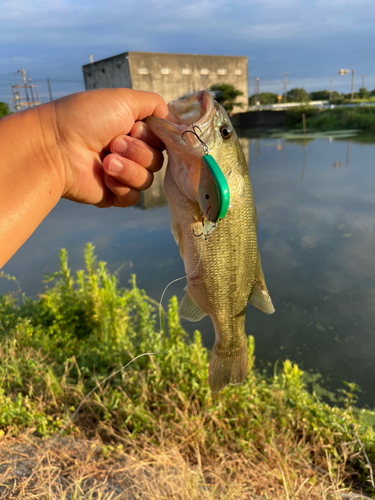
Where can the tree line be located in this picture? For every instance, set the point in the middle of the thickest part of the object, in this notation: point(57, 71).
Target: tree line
point(301, 95)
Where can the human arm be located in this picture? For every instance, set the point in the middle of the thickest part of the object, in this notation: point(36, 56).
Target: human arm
point(61, 150)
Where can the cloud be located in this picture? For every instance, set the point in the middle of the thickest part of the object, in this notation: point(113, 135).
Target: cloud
point(307, 39)
point(270, 32)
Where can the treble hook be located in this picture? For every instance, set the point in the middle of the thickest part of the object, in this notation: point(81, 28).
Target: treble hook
point(197, 235)
point(206, 149)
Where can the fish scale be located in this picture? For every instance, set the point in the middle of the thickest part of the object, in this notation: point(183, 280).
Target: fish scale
point(224, 270)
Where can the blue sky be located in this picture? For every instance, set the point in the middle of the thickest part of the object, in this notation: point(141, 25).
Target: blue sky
point(310, 40)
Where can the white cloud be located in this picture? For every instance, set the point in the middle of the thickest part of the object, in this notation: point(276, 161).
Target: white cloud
point(55, 37)
point(277, 31)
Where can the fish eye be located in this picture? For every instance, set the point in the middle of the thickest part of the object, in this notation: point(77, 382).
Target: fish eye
point(226, 132)
point(207, 196)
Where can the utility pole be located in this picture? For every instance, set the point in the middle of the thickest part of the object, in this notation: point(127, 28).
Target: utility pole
point(23, 73)
point(285, 85)
point(353, 83)
point(49, 90)
point(256, 90)
point(330, 89)
point(345, 72)
point(19, 103)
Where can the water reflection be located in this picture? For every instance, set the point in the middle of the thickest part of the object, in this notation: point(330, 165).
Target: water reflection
point(154, 196)
point(348, 154)
point(316, 236)
point(304, 161)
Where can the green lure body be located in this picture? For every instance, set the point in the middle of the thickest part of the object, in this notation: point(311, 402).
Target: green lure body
point(213, 190)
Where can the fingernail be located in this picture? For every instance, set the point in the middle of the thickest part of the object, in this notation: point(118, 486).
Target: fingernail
point(115, 166)
point(120, 146)
point(139, 130)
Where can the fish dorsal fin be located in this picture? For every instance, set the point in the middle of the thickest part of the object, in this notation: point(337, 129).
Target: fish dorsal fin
point(259, 296)
point(190, 310)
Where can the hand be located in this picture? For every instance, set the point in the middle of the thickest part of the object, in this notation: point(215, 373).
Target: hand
point(92, 124)
point(68, 148)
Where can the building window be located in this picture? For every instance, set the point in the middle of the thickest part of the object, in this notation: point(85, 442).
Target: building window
point(186, 71)
point(165, 71)
point(204, 71)
point(238, 72)
point(222, 71)
point(142, 71)
point(103, 70)
point(119, 65)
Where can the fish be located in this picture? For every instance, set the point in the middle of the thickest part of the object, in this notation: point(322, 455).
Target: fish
point(221, 258)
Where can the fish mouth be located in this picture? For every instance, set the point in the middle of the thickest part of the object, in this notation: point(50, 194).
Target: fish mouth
point(197, 110)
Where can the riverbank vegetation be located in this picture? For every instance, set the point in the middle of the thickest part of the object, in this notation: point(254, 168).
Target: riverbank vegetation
point(301, 95)
point(150, 430)
point(4, 109)
point(350, 118)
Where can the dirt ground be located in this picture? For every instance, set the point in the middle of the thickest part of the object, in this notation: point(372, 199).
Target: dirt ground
point(66, 468)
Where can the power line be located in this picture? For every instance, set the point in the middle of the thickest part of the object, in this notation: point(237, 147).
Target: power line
point(53, 80)
point(31, 101)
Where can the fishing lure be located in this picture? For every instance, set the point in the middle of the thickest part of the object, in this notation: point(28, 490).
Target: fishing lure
point(213, 190)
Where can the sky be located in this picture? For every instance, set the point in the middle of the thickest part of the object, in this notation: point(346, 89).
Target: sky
point(308, 39)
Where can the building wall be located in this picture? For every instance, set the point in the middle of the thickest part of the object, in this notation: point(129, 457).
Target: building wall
point(164, 73)
point(170, 75)
point(112, 72)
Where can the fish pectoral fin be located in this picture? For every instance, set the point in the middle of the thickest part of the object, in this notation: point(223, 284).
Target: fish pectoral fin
point(189, 309)
point(177, 234)
point(259, 296)
point(237, 188)
point(227, 366)
point(175, 231)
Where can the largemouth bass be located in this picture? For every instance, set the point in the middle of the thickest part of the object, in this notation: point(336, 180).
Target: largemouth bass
point(222, 264)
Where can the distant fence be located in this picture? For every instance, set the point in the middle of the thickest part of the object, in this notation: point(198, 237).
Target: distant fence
point(286, 105)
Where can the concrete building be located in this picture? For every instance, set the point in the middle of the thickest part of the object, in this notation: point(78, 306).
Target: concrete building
point(170, 75)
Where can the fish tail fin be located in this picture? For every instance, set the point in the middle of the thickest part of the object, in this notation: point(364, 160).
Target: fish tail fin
point(227, 366)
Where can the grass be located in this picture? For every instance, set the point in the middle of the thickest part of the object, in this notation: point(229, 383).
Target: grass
point(267, 438)
point(342, 118)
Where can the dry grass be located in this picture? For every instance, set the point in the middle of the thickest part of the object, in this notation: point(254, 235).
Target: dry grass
point(153, 430)
point(67, 468)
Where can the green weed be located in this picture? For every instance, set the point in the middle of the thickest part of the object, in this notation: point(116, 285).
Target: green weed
point(343, 118)
point(57, 348)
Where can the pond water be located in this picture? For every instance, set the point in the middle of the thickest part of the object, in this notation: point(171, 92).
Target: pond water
point(316, 210)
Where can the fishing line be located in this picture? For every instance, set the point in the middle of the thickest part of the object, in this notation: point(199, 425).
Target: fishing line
point(137, 357)
point(206, 150)
point(103, 382)
point(174, 281)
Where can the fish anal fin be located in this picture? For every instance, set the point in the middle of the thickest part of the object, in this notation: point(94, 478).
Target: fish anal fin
point(189, 309)
point(259, 296)
point(227, 366)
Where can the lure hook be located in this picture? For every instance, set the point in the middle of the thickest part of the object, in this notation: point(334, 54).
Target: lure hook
point(197, 235)
point(206, 149)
